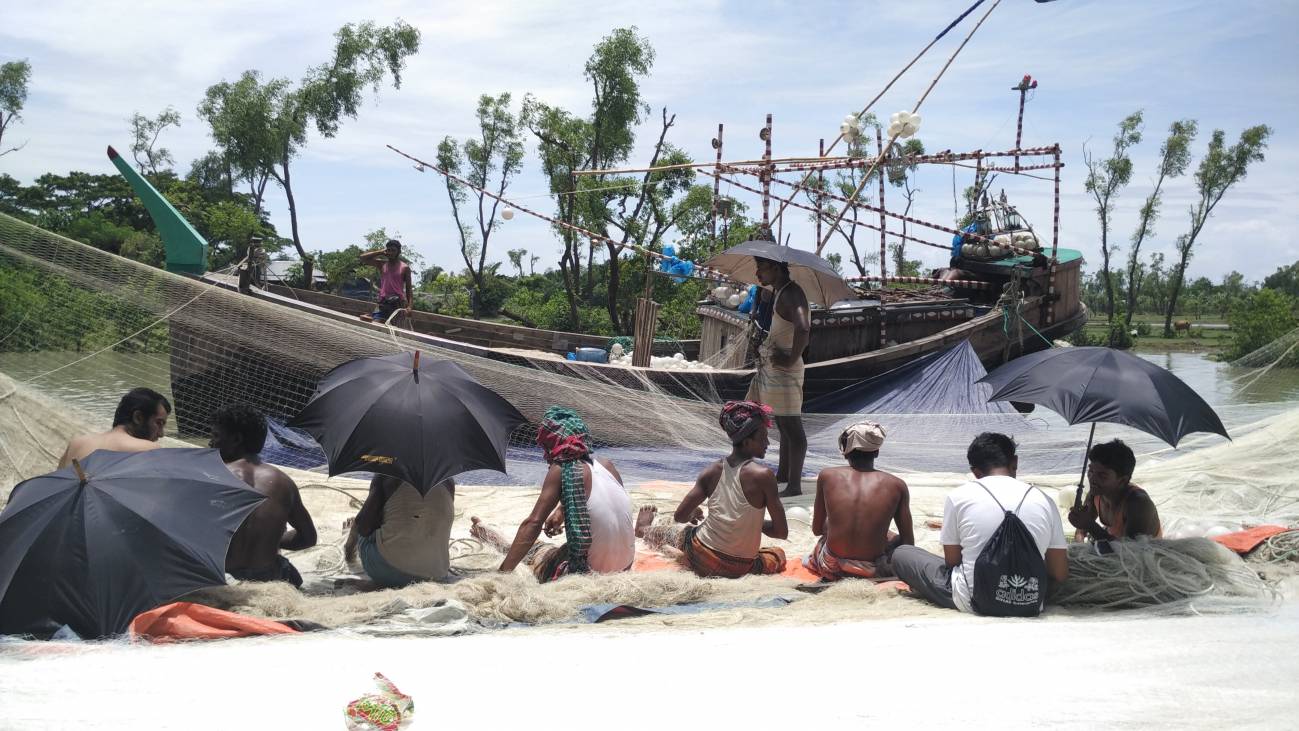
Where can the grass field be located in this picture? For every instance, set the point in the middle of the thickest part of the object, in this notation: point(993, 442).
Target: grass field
point(1198, 340)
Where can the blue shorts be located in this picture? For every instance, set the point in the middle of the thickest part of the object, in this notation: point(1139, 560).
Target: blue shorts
point(377, 567)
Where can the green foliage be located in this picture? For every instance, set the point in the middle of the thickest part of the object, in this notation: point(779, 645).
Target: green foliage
point(1284, 279)
point(342, 266)
point(14, 77)
point(1221, 168)
point(1174, 159)
point(70, 318)
point(150, 158)
point(497, 153)
point(1265, 316)
point(260, 128)
point(1105, 178)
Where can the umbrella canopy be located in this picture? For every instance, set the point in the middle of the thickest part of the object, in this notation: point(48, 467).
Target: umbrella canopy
point(819, 281)
point(96, 543)
point(1104, 385)
point(420, 423)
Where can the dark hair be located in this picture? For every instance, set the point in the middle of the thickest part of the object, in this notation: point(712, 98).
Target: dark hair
point(990, 450)
point(139, 399)
point(392, 242)
point(784, 266)
point(1116, 455)
point(245, 421)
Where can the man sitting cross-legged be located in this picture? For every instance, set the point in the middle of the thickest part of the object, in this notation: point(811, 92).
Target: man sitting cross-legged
point(739, 492)
point(854, 506)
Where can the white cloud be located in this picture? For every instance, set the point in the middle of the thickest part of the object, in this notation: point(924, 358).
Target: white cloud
point(1227, 65)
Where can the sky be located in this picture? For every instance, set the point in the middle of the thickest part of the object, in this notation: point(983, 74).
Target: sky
point(1226, 65)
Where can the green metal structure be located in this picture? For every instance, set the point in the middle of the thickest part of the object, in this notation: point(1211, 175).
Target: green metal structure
point(186, 248)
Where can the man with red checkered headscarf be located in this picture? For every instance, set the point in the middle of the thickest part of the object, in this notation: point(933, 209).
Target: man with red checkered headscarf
point(740, 493)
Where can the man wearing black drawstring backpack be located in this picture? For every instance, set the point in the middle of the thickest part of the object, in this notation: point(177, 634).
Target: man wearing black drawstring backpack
point(1002, 540)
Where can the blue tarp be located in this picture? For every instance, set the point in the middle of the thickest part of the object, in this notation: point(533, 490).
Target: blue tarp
point(939, 383)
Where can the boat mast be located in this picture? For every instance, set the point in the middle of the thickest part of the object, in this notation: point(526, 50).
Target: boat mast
point(765, 135)
point(717, 178)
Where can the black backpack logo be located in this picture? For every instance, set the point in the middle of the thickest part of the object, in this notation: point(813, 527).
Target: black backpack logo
point(1010, 573)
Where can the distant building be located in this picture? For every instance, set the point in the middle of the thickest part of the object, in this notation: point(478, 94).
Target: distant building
point(280, 272)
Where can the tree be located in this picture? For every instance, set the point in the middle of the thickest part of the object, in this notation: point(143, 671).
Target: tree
point(497, 153)
point(1174, 158)
point(605, 138)
point(1104, 180)
point(516, 259)
point(1284, 279)
point(532, 264)
point(1221, 168)
point(262, 127)
point(144, 133)
point(1263, 317)
point(14, 77)
point(847, 181)
point(902, 266)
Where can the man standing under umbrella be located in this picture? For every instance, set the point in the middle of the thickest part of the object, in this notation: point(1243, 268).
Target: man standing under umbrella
point(138, 424)
point(238, 432)
point(778, 381)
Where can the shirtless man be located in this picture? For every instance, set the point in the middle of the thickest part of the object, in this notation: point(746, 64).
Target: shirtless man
point(727, 542)
point(239, 432)
point(138, 424)
point(778, 379)
point(854, 506)
point(1124, 510)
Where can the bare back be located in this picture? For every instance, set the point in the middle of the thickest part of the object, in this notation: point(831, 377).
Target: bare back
point(257, 542)
point(854, 509)
point(114, 440)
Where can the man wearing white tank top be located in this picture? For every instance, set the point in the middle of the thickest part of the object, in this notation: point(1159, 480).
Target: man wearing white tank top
point(581, 495)
point(739, 493)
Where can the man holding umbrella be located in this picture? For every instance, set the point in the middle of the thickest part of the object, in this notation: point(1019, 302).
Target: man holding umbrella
point(778, 381)
point(1124, 510)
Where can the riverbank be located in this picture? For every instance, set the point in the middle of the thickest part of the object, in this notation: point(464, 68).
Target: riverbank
point(1205, 337)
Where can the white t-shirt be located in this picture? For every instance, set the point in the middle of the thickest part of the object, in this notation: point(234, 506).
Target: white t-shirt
point(970, 517)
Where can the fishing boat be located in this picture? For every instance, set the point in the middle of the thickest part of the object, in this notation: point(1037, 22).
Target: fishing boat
point(1005, 292)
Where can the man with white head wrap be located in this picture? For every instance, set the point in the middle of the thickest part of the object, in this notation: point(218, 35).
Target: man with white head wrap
point(854, 506)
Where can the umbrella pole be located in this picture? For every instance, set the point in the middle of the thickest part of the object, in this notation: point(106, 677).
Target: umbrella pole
point(1077, 502)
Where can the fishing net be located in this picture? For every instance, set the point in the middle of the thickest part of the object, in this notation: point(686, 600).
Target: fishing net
point(84, 326)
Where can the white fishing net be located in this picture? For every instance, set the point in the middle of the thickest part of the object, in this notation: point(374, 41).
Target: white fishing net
point(69, 357)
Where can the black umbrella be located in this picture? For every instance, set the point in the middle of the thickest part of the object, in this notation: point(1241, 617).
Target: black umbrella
point(1102, 384)
point(96, 543)
point(819, 281)
point(420, 423)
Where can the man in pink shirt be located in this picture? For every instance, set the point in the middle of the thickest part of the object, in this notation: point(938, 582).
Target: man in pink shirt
point(395, 289)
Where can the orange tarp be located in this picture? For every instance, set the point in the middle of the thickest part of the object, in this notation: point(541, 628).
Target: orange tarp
point(1244, 541)
point(187, 621)
point(646, 561)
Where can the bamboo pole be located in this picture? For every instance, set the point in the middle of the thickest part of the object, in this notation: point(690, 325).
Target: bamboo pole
point(893, 81)
point(717, 181)
point(879, 144)
point(765, 134)
point(820, 184)
point(821, 244)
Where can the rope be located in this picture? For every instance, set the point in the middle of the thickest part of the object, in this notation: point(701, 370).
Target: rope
point(821, 244)
point(657, 256)
point(151, 325)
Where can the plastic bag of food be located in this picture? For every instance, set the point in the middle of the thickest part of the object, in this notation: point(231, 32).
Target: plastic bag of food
point(387, 710)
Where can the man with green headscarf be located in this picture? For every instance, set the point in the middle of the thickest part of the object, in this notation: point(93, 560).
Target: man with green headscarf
point(594, 509)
